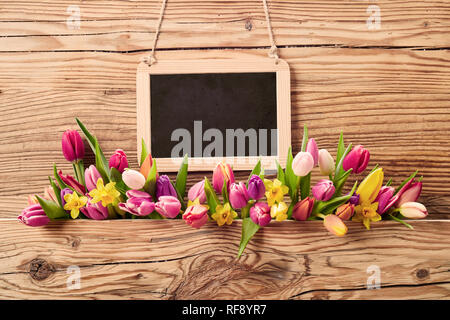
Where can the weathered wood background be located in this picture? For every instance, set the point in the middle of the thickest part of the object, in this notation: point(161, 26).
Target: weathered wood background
point(386, 88)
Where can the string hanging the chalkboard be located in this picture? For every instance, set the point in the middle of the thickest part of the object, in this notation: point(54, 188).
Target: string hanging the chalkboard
point(273, 51)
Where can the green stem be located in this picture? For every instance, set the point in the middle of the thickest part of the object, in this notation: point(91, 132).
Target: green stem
point(320, 215)
point(401, 221)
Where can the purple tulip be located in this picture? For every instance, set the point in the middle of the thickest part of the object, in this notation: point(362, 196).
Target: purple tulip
point(354, 199)
point(91, 175)
point(95, 211)
point(357, 159)
point(139, 203)
point(197, 191)
point(168, 206)
point(63, 193)
point(72, 145)
point(164, 187)
point(260, 214)
point(385, 199)
point(118, 160)
point(34, 216)
point(238, 195)
point(410, 192)
point(323, 190)
point(256, 188)
point(311, 147)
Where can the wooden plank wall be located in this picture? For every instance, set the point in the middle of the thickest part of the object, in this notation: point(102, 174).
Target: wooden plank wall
point(385, 88)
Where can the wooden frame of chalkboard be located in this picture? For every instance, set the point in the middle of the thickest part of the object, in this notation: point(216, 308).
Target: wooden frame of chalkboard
point(208, 66)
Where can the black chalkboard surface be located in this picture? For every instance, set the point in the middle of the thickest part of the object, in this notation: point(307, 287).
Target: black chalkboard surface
point(185, 107)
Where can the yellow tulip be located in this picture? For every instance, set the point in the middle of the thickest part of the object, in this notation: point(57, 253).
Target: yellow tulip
point(370, 186)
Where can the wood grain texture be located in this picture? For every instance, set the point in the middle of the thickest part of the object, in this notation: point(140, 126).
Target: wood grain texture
point(129, 25)
point(170, 260)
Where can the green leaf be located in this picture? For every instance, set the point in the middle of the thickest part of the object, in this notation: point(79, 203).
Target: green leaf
point(305, 186)
point(57, 191)
point(291, 208)
point(116, 177)
point(256, 171)
point(155, 215)
point(340, 149)
point(211, 196)
point(52, 209)
point(406, 181)
point(180, 184)
point(99, 164)
point(305, 138)
point(329, 206)
point(340, 183)
point(180, 198)
point(280, 173)
point(58, 179)
point(291, 178)
point(389, 182)
point(401, 221)
point(144, 152)
point(150, 183)
point(249, 228)
point(339, 169)
point(225, 192)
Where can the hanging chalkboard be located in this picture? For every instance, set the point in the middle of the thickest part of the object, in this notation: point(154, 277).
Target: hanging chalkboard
point(214, 110)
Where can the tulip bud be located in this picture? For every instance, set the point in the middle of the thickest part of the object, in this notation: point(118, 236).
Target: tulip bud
point(256, 188)
point(118, 160)
point(164, 187)
point(302, 164)
point(34, 216)
point(95, 211)
point(168, 206)
point(63, 193)
point(91, 175)
point(133, 179)
point(326, 162)
point(335, 225)
point(146, 166)
point(385, 199)
point(260, 214)
point(196, 216)
point(302, 210)
point(72, 145)
point(311, 147)
point(49, 194)
point(413, 210)
point(198, 191)
point(323, 190)
point(238, 195)
point(410, 192)
point(354, 199)
point(139, 203)
point(345, 211)
point(357, 159)
point(222, 172)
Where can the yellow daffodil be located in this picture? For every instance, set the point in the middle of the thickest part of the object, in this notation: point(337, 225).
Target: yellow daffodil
point(278, 211)
point(368, 190)
point(224, 214)
point(106, 194)
point(74, 203)
point(275, 191)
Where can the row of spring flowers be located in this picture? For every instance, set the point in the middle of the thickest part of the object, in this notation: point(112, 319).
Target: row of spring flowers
point(110, 189)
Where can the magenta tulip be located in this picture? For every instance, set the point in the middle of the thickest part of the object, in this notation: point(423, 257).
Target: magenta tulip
point(95, 211)
point(164, 187)
point(302, 164)
point(34, 216)
point(357, 159)
point(197, 191)
point(238, 195)
point(139, 203)
point(63, 193)
point(385, 199)
point(323, 190)
point(222, 172)
point(168, 206)
point(118, 160)
point(196, 216)
point(256, 188)
point(311, 147)
point(71, 182)
point(91, 175)
point(260, 214)
point(410, 192)
point(302, 210)
point(72, 145)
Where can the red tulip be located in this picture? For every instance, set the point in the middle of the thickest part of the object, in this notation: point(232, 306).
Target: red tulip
point(409, 193)
point(345, 211)
point(71, 182)
point(302, 210)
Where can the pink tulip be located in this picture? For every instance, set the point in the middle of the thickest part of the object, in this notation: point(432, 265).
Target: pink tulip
point(302, 164)
point(168, 206)
point(72, 145)
point(413, 210)
point(345, 211)
point(323, 190)
point(34, 216)
point(335, 225)
point(196, 216)
point(71, 182)
point(357, 159)
point(118, 160)
point(385, 199)
point(32, 199)
point(197, 191)
point(222, 172)
point(302, 210)
point(311, 147)
point(260, 214)
point(95, 211)
point(139, 203)
point(256, 188)
point(238, 195)
point(326, 162)
point(91, 175)
point(133, 179)
point(410, 192)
